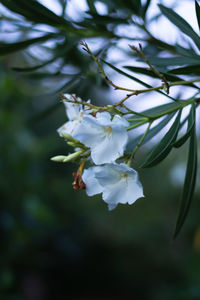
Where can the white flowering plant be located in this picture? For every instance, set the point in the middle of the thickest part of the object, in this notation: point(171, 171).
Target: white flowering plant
point(101, 139)
point(101, 136)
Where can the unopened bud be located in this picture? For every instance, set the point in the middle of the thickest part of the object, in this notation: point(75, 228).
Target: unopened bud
point(70, 157)
point(72, 144)
point(73, 156)
point(58, 158)
point(67, 136)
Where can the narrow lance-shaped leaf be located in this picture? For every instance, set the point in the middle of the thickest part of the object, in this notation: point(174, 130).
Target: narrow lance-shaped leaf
point(197, 8)
point(16, 8)
point(192, 70)
point(163, 109)
point(180, 23)
point(150, 73)
point(91, 6)
point(165, 145)
point(135, 79)
point(174, 61)
point(42, 11)
point(34, 68)
point(191, 123)
point(9, 48)
point(189, 184)
point(42, 15)
point(145, 7)
point(186, 51)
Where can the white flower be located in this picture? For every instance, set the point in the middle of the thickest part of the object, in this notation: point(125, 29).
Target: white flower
point(118, 183)
point(106, 138)
point(75, 113)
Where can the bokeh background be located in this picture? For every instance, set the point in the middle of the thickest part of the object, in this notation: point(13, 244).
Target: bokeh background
point(57, 243)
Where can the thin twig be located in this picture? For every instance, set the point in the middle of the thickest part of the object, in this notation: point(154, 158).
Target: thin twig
point(140, 142)
point(75, 101)
point(154, 70)
point(101, 70)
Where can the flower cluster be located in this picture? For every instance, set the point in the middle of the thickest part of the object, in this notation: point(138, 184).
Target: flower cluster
point(101, 139)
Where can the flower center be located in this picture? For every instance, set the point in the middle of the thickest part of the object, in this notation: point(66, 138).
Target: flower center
point(124, 176)
point(108, 130)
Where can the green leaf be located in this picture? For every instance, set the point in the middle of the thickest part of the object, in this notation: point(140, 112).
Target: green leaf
point(189, 184)
point(191, 123)
point(151, 133)
point(104, 20)
point(197, 8)
point(11, 5)
point(34, 68)
point(180, 23)
point(41, 10)
point(9, 48)
point(91, 6)
point(135, 79)
point(126, 74)
point(165, 145)
point(186, 51)
point(145, 7)
point(192, 70)
point(161, 109)
point(35, 11)
point(174, 61)
point(150, 73)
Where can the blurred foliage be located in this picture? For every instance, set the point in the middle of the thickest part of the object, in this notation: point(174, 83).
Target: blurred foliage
point(56, 243)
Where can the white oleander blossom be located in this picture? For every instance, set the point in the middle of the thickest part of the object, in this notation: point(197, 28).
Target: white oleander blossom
point(75, 113)
point(106, 137)
point(118, 183)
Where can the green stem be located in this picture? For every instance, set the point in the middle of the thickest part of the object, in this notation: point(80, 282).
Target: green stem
point(140, 142)
point(138, 119)
point(182, 104)
point(137, 92)
point(137, 125)
point(150, 119)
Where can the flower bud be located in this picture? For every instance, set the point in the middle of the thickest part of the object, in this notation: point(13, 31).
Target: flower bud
point(67, 136)
point(72, 144)
point(73, 156)
point(58, 158)
point(70, 157)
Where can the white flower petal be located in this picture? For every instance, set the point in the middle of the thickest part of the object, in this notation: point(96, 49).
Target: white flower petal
point(92, 185)
point(103, 118)
point(72, 109)
point(111, 147)
point(106, 139)
point(135, 189)
point(107, 175)
point(89, 132)
point(120, 184)
point(121, 121)
point(115, 194)
point(75, 113)
point(101, 153)
point(68, 127)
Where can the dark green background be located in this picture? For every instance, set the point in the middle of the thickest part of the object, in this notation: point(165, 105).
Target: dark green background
point(57, 243)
